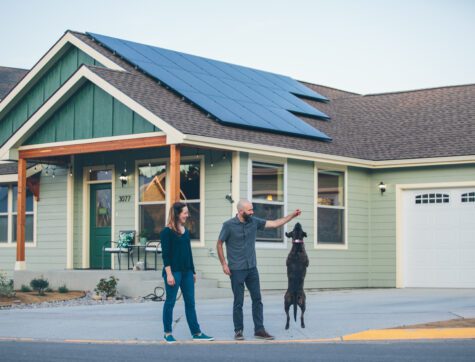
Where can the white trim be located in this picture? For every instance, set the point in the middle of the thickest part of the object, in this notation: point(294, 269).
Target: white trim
point(9, 149)
point(260, 149)
point(400, 188)
point(236, 181)
point(329, 246)
point(272, 160)
point(86, 209)
point(70, 216)
point(55, 52)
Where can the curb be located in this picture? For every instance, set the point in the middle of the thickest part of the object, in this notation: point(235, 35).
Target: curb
point(411, 334)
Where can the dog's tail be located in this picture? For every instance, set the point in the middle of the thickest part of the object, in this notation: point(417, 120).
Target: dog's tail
point(295, 307)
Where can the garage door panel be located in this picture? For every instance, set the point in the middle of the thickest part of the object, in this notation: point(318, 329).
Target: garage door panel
point(438, 238)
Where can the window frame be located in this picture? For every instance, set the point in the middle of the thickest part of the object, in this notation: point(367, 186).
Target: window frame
point(166, 162)
point(272, 160)
point(11, 214)
point(331, 246)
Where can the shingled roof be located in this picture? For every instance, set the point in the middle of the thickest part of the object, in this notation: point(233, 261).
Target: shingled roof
point(9, 77)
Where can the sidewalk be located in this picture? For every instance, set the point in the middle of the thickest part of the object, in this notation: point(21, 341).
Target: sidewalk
point(330, 315)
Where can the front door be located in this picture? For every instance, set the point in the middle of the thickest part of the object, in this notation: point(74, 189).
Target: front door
point(100, 224)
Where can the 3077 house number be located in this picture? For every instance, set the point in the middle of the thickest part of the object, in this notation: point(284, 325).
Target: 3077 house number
point(124, 198)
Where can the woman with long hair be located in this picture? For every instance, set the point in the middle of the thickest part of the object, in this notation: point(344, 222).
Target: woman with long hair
point(179, 272)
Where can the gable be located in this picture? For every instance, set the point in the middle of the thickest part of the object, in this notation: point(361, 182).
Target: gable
point(90, 113)
point(70, 60)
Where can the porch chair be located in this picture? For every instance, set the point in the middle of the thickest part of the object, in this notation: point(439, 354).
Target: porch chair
point(155, 247)
point(120, 247)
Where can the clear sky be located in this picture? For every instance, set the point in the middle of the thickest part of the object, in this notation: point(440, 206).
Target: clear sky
point(366, 46)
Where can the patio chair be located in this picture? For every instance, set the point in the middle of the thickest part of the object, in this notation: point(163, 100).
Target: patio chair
point(120, 247)
point(155, 247)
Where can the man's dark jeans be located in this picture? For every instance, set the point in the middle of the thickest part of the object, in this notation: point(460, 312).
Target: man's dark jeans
point(250, 277)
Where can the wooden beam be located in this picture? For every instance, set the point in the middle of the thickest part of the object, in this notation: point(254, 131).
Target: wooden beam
point(21, 211)
point(175, 160)
point(91, 147)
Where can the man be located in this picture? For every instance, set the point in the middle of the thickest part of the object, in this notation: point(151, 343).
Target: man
point(239, 234)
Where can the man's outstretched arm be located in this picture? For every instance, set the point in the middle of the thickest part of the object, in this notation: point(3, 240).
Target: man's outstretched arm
point(272, 224)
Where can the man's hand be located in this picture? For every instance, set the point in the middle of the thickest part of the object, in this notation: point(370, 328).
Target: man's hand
point(296, 213)
point(226, 269)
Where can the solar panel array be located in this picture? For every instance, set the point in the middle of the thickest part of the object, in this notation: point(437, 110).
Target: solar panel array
point(233, 94)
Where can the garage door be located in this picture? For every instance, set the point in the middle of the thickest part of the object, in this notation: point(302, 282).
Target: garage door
point(439, 238)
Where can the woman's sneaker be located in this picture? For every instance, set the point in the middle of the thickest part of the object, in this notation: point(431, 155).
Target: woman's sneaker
point(169, 338)
point(202, 337)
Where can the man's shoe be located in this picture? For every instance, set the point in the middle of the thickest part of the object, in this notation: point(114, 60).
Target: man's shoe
point(202, 337)
point(262, 334)
point(169, 338)
point(238, 336)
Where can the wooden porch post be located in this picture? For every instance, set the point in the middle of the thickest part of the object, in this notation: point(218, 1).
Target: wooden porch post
point(175, 160)
point(21, 216)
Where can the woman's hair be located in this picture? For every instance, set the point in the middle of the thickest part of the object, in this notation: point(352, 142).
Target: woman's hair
point(175, 211)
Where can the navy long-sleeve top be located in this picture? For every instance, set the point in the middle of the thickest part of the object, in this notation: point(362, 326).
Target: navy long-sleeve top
point(176, 250)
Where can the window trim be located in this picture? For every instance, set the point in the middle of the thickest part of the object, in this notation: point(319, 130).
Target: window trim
point(330, 246)
point(11, 214)
point(166, 161)
point(273, 160)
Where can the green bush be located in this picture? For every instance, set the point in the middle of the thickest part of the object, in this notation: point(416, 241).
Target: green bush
point(25, 288)
point(40, 285)
point(63, 289)
point(6, 286)
point(107, 286)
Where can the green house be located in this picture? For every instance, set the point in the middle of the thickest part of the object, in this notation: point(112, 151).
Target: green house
point(101, 135)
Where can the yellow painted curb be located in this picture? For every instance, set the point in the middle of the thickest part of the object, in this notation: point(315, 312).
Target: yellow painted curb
point(408, 334)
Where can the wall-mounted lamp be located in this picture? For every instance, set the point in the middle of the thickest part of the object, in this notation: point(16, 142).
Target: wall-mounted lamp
point(123, 179)
point(269, 197)
point(229, 198)
point(382, 187)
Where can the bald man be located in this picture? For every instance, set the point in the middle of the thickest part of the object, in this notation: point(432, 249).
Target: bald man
point(239, 234)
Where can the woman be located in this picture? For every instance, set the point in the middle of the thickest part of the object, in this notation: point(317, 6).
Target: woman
point(179, 272)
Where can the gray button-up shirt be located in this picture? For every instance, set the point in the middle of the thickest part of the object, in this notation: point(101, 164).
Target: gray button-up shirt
point(240, 239)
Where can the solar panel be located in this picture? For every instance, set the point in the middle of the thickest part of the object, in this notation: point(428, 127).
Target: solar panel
point(233, 94)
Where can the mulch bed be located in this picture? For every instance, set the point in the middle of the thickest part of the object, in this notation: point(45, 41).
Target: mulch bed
point(33, 297)
point(453, 323)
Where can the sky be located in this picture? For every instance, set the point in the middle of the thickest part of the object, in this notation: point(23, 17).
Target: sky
point(364, 46)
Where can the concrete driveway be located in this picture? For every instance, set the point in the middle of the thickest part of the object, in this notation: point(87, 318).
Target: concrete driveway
point(329, 314)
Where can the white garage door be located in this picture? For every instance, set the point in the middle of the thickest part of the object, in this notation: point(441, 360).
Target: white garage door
point(439, 238)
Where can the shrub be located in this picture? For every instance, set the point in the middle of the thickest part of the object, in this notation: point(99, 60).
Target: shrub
point(107, 286)
point(25, 288)
point(6, 286)
point(40, 285)
point(63, 289)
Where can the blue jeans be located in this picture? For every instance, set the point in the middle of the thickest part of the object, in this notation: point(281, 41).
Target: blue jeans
point(184, 281)
point(250, 277)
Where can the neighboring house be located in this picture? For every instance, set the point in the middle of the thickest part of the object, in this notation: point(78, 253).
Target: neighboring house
point(9, 77)
point(119, 130)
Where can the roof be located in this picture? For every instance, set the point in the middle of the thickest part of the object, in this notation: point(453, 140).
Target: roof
point(11, 168)
point(428, 123)
point(9, 77)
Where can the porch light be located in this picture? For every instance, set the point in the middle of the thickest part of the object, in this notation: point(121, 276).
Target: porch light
point(123, 179)
point(382, 187)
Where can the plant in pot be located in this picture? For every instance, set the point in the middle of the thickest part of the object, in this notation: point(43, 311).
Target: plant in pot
point(144, 236)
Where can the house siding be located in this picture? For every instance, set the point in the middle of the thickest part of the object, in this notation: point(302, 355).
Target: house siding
point(55, 75)
point(382, 269)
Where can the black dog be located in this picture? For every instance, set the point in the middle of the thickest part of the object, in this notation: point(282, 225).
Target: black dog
point(297, 263)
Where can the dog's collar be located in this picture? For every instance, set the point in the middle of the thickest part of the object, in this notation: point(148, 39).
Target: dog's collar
point(297, 241)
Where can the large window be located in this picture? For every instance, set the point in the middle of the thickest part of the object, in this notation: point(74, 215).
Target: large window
point(8, 215)
point(152, 198)
point(331, 207)
point(268, 197)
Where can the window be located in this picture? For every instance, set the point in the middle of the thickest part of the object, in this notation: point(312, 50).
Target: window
point(432, 198)
point(152, 199)
point(330, 207)
point(8, 215)
point(468, 197)
point(268, 197)
point(190, 186)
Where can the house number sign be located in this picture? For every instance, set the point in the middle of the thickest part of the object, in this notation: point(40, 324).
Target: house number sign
point(124, 198)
